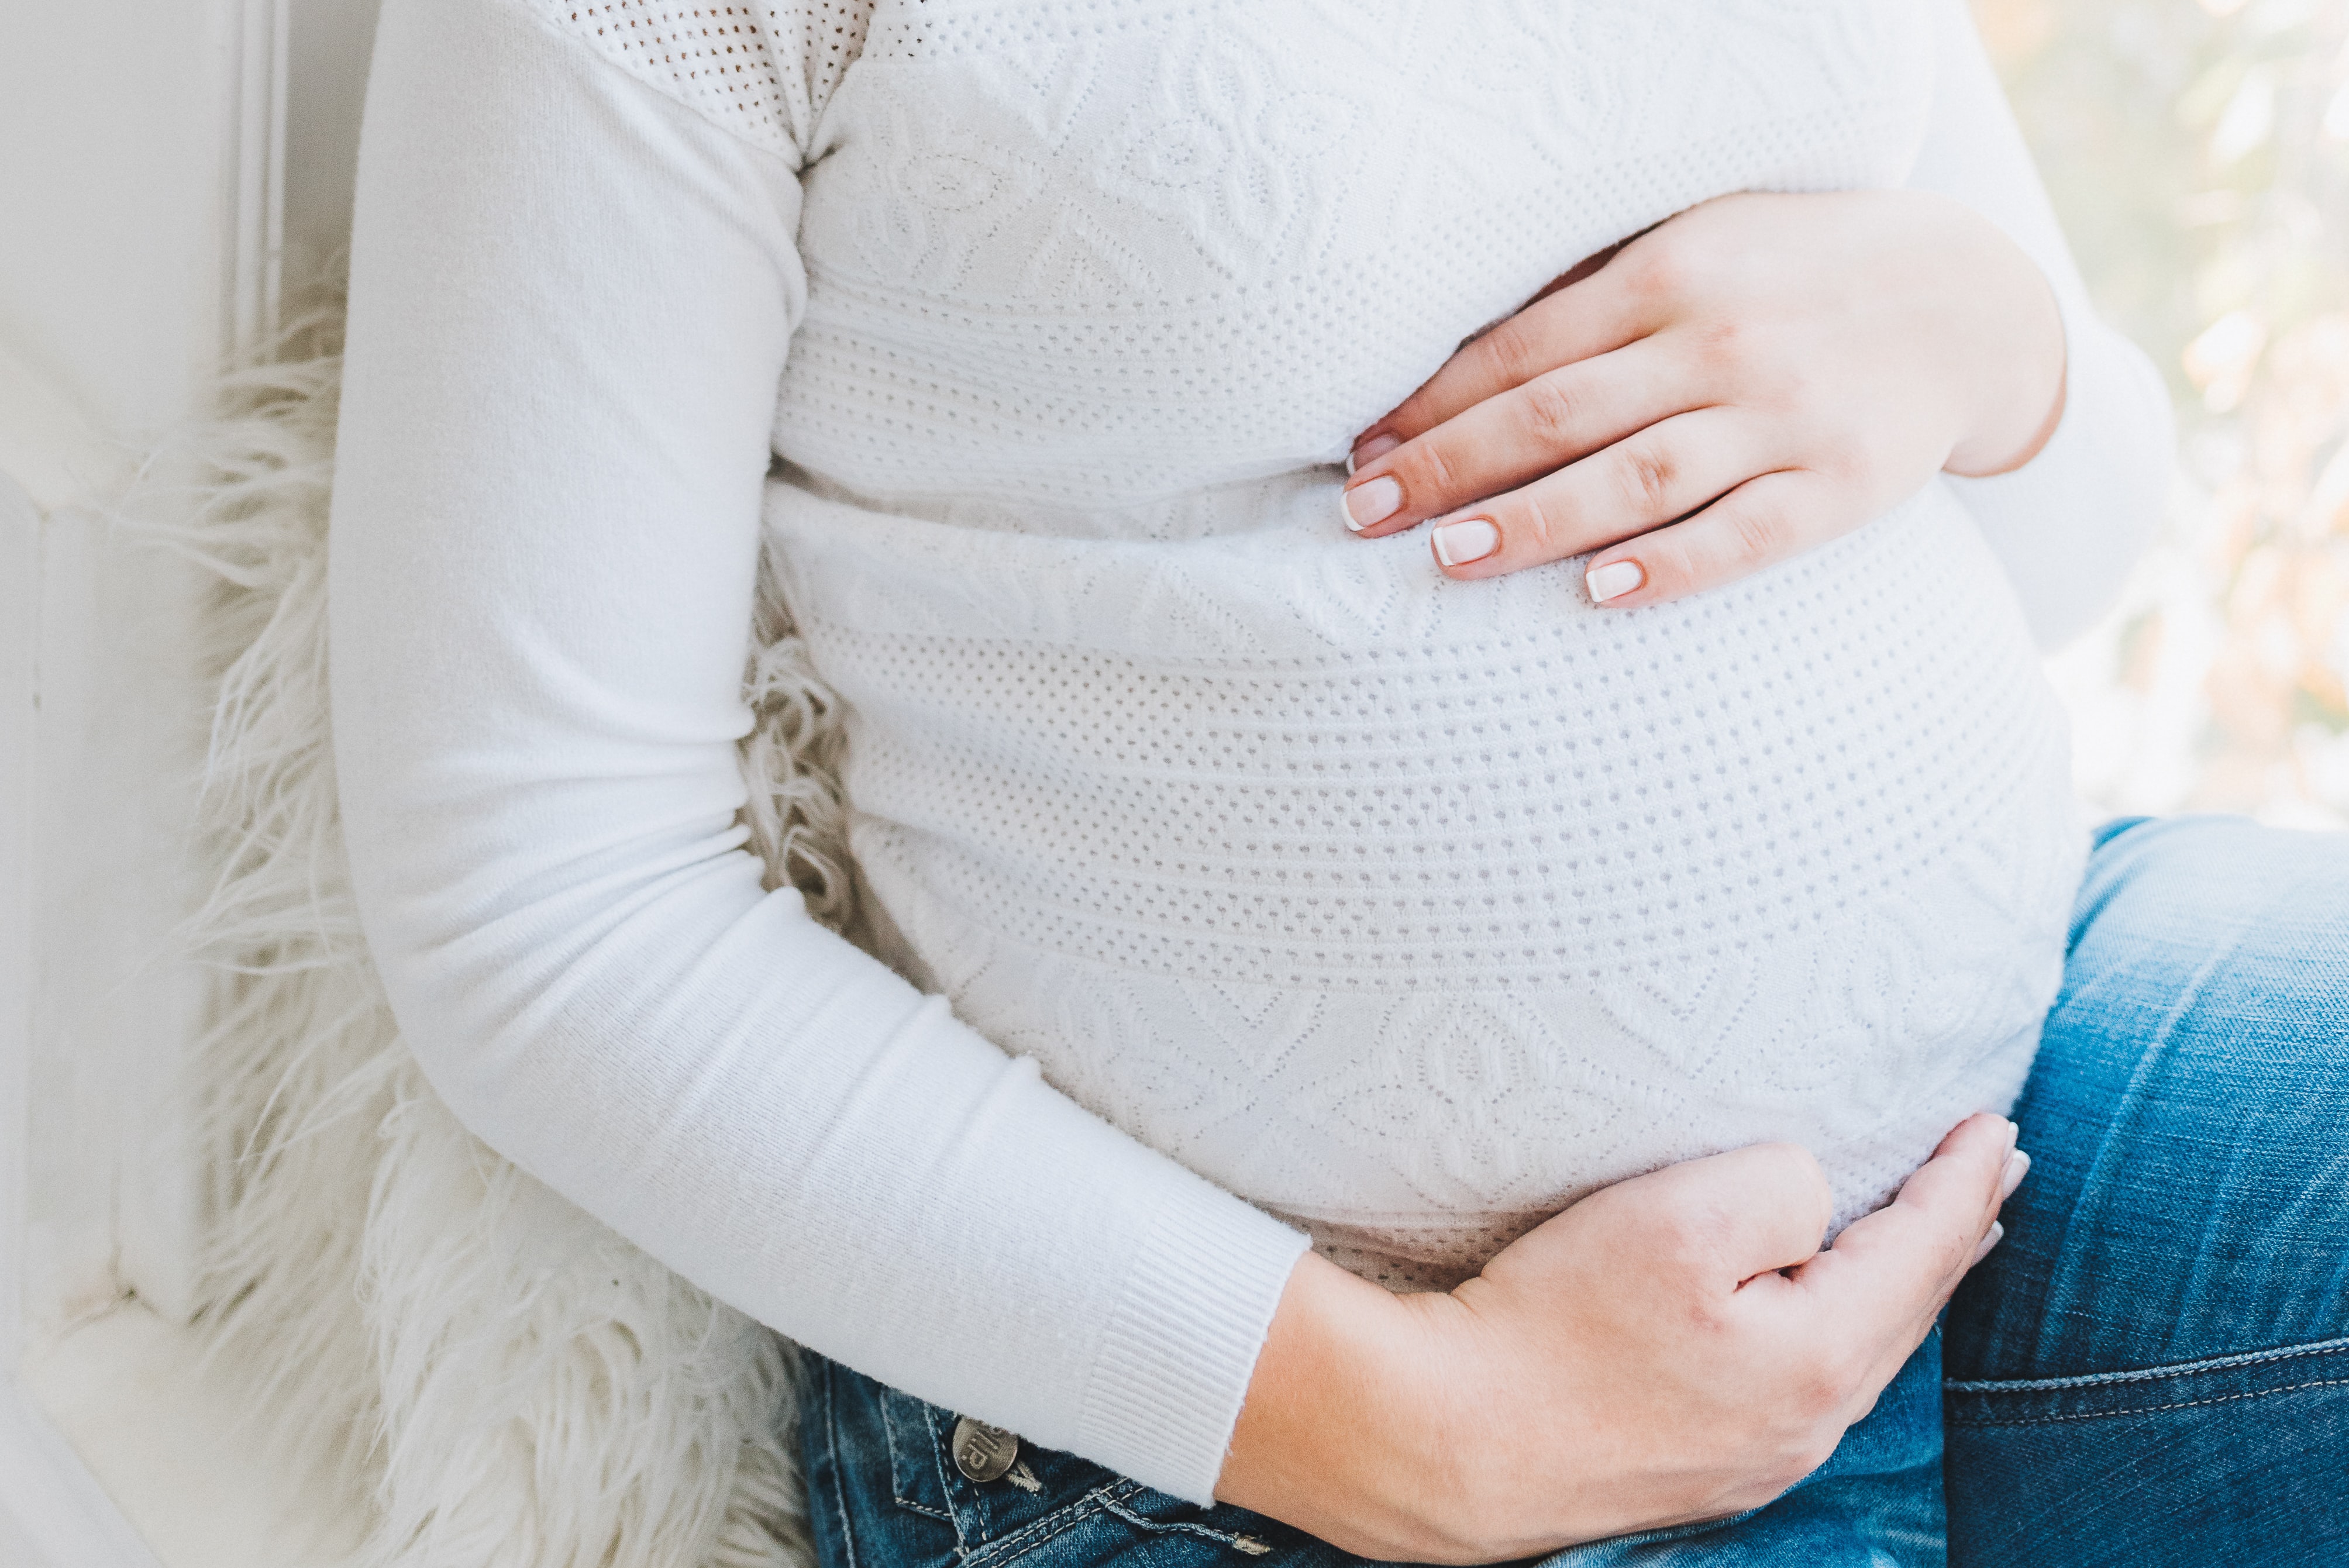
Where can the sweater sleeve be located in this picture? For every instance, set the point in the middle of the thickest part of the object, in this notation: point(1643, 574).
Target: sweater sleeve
point(571, 299)
point(2069, 523)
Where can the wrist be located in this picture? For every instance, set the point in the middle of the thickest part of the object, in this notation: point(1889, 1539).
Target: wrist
point(2024, 379)
point(1342, 1431)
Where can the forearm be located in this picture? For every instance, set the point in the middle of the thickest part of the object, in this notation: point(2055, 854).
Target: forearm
point(1331, 1407)
point(559, 387)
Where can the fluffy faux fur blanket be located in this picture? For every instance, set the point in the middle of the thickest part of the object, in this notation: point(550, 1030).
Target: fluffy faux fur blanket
point(485, 1375)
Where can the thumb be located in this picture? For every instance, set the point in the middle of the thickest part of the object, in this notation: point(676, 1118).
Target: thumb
point(1895, 1268)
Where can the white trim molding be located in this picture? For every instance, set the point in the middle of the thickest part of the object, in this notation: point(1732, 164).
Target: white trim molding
point(49, 1501)
point(20, 577)
point(159, 221)
point(256, 230)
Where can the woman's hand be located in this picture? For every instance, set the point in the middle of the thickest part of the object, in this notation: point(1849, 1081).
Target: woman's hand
point(1746, 381)
point(1670, 1348)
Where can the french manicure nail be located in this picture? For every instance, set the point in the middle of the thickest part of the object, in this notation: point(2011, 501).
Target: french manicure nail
point(1471, 539)
point(2018, 1166)
point(1989, 1241)
point(1613, 580)
point(1371, 450)
point(1373, 500)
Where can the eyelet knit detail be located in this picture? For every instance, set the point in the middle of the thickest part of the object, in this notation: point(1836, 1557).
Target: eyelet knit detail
point(1405, 909)
point(764, 71)
point(1412, 910)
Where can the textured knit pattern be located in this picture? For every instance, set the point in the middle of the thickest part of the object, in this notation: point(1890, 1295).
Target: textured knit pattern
point(1248, 870)
point(1413, 910)
point(758, 71)
point(1407, 909)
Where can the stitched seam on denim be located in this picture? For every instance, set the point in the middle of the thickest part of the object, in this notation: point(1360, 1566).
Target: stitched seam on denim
point(1059, 1521)
point(2149, 1410)
point(2143, 1375)
point(946, 1483)
point(832, 1451)
point(889, 1434)
point(1173, 1527)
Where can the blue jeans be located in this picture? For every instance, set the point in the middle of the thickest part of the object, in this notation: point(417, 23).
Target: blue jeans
point(2153, 1368)
point(884, 1493)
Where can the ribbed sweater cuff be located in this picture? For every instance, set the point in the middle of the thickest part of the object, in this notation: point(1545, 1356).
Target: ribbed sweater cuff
point(1182, 1341)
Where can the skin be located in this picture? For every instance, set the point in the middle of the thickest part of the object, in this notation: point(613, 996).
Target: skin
point(1673, 1347)
point(1751, 379)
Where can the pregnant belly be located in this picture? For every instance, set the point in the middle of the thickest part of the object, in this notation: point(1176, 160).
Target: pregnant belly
point(1412, 909)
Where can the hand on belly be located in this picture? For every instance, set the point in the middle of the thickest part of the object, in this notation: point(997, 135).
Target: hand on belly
point(1745, 382)
point(1671, 1348)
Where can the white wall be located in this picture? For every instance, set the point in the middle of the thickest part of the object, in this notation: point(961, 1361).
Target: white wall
point(117, 167)
point(166, 166)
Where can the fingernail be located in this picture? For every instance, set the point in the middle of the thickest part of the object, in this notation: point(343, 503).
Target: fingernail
point(1989, 1240)
point(2018, 1166)
point(1613, 580)
point(1471, 539)
point(1371, 450)
point(1373, 500)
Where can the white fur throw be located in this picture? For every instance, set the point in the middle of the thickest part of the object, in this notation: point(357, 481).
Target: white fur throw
point(485, 1374)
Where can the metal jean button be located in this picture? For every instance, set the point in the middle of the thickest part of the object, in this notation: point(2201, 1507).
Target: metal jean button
point(983, 1453)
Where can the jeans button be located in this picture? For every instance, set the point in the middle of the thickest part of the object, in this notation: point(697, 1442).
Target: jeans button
point(983, 1453)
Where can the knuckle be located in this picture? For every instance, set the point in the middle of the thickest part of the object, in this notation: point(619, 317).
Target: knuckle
point(1661, 268)
point(1722, 344)
point(1552, 410)
point(1757, 533)
point(1809, 1456)
point(1799, 1168)
point(1648, 474)
point(1514, 350)
point(1801, 1163)
point(1844, 451)
point(1820, 1393)
point(1410, 416)
point(1432, 474)
point(1542, 525)
point(1681, 265)
point(1690, 1238)
point(1798, 389)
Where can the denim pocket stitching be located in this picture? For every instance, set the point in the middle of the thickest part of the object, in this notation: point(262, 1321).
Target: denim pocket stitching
point(832, 1455)
point(1171, 1526)
point(2144, 1373)
point(889, 1436)
point(910, 1506)
point(1029, 1537)
point(939, 1448)
point(2146, 1409)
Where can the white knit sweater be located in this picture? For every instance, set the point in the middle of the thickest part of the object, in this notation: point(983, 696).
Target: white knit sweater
point(1268, 872)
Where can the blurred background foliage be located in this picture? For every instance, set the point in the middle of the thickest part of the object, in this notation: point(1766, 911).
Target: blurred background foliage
point(2198, 152)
